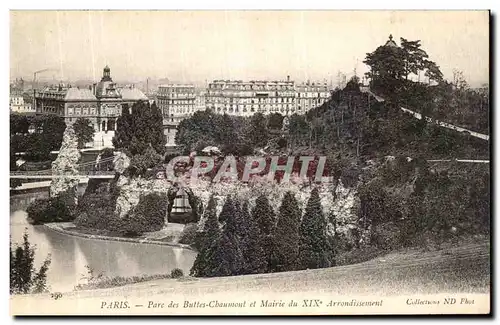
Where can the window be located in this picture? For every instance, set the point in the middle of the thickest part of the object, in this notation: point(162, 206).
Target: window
point(70, 110)
point(85, 111)
point(78, 110)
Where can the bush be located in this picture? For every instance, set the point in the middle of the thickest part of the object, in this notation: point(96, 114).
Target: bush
point(176, 273)
point(148, 215)
point(53, 209)
point(24, 278)
point(96, 208)
point(190, 235)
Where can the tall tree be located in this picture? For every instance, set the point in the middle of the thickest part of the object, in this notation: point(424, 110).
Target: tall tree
point(314, 248)
point(53, 129)
point(225, 133)
point(253, 253)
point(84, 131)
point(414, 57)
point(264, 215)
point(208, 242)
point(286, 237)
point(122, 137)
point(157, 136)
point(387, 67)
point(227, 257)
point(144, 128)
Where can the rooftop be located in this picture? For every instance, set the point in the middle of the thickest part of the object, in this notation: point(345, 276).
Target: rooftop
point(390, 42)
point(132, 94)
point(79, 94)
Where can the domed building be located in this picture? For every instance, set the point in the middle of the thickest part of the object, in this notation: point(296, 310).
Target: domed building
point(101, 104)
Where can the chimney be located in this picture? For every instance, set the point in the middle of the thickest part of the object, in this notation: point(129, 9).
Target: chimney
point(287, 78)
point(93, 89)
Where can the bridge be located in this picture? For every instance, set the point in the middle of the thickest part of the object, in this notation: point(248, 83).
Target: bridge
point(92, 169)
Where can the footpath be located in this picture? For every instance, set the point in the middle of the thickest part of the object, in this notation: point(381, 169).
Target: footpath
point(168, 236)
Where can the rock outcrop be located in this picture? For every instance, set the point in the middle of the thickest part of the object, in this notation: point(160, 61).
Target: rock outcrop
point(121, 162)
point(339, 202)
point(64, 168)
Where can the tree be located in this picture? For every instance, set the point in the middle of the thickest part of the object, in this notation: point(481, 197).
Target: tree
point(275, 121)
point(299, 129)
point(148, 215)
point(122, 137)
point(387, 67)
point(225, 134)
point(264, 215)
point(198, 129)
point(253, 253)
point(157, 137)
point(228, 258)
point(19, 124)
point(141, 129)
point(24, 278)
point(149, 159)
point(257, 133)
point(414, 57)
point(37, 148)
point(203, 264)
point(84, 131)
point(106, 156)
point(53, 129)
point(314, 247)
point(286, 237)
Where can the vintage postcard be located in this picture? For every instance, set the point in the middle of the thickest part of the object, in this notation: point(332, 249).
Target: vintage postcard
point(249, 162)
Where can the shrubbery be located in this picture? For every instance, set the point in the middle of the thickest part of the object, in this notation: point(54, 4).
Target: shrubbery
point(96, 210)
point(176, 273)
point(54, 209)
point(148, 215)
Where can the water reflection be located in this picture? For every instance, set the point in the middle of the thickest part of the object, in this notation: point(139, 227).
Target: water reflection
point(70, 255)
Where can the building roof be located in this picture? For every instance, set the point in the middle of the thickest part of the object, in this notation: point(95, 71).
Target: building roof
point(132, 94)
point(79, 94)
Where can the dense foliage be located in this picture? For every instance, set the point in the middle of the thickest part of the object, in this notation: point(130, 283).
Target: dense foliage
point(24, 277)
point(36, 135)
point(139, 133)
point(314, 247)
point(84, 131)
point(148, 215)
point(96, 207)
point(232, 134)
point(54, 209)
point(140, 129)
point(203, 264)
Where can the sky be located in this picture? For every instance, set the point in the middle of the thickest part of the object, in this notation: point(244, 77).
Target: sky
point(195, 46)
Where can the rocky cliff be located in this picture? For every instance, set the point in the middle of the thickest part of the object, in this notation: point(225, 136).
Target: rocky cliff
point(64, 168)
point(338, 201)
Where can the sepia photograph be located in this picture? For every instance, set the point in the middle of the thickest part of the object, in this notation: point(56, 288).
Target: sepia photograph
point(249, 162)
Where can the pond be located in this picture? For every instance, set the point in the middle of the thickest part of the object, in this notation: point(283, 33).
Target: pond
point(71, 255)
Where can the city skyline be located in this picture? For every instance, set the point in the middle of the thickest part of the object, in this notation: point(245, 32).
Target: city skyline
point(199, 46)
